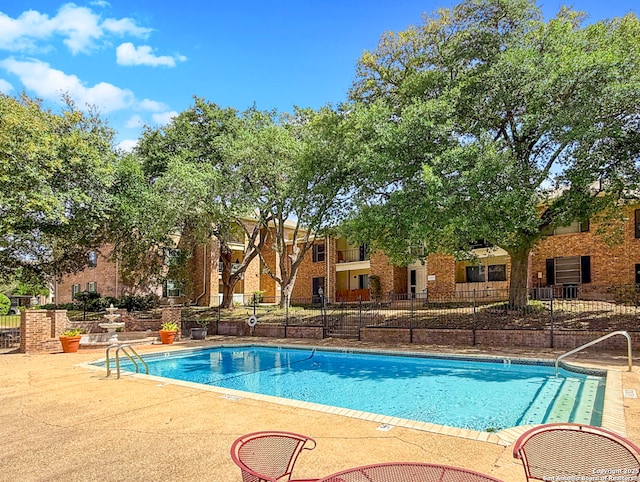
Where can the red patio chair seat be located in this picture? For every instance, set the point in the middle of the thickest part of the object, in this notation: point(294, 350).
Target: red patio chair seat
point(567, 451)
point(269, 456)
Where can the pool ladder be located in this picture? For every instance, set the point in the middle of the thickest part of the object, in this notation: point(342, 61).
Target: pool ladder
point(131, 353)
point(598, 340)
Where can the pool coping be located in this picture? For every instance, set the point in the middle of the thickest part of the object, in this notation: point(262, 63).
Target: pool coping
point(612, 414)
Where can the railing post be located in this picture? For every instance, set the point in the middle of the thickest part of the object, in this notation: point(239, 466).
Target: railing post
point(411, 319)
point(551, 321)
point(359, 315)
point(473, 328)
point(286, 314)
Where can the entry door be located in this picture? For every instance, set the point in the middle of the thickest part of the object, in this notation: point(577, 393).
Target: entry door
point(317, 283)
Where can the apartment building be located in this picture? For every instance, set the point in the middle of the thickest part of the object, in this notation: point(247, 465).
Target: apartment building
point(572, 258)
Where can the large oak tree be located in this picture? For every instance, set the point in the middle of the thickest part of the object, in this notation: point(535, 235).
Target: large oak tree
point(488, 122)
point(55, 173)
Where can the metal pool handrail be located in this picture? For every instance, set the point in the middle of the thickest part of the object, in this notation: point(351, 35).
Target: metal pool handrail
point(598, 340)
point(131, 353)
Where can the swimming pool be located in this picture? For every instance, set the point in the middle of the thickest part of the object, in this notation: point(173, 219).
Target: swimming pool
point(464, 393)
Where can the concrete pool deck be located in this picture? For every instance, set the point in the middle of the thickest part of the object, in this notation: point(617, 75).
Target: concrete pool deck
point(63, 421)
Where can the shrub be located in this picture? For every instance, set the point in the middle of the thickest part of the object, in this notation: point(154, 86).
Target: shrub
point(138, 303)
point(5, 304)
point(257, 296)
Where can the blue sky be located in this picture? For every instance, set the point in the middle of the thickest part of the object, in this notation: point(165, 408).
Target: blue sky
point(142, 61)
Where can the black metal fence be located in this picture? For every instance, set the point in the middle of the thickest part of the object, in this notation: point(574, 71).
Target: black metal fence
point(584, 307)
point(9, 331)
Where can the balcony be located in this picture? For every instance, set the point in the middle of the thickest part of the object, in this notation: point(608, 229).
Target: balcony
point(353, 255)
point(234, 267)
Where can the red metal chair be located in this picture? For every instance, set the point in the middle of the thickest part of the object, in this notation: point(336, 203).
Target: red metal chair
point(568, 451)
point(269, 456)
point(408, 472)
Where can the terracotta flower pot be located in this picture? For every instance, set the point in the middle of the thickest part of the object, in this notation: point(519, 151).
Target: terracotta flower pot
point(70, 344)
point(167, 337)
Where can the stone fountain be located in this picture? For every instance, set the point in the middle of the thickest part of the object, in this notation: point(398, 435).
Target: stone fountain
point(111, 324)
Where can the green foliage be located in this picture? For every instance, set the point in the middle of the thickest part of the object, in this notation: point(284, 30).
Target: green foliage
point(169, 326)
point(257, 296)
point(55, 170)
point(466, 126)
point(73, 332)
point(138, 303)
point(5, 305)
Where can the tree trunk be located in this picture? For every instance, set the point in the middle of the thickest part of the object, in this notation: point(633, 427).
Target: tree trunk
point(227, 287)
point(518, 292)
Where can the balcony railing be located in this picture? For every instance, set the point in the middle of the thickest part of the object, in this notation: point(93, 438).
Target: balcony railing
point(353, 255)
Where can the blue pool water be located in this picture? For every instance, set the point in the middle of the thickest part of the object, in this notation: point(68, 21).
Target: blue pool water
point(477, 395)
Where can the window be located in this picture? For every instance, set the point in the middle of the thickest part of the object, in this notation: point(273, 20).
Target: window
point(497, 272)
point(171, 288)
point(93, 259)
point(574, 227)
point(475, 274)
point(318, 253)
point(92, 287)
point(638, 274)
point(75, 289)
point(569, 270)
point(637, 222)
point(363, 281)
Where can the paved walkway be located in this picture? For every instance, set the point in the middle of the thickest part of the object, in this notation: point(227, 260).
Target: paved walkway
point(61, 421)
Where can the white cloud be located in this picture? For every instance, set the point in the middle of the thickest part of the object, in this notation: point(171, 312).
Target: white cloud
point(80, 27)
point(152, 105)
point(164, 118)
point(134, 122)
point(127, 145)
point(129, 54)
point(125, 26)
point(50, 83)
point(5, 87)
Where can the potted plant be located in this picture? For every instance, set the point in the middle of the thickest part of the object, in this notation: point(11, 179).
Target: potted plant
point(70, 339)
point(200, 333)
point(168, 331)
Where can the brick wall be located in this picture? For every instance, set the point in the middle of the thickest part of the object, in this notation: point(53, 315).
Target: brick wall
point(307, 271)
point(392, 278)
point(442, 269)
point(610, 264)
point(39, 330)
point(104, 274)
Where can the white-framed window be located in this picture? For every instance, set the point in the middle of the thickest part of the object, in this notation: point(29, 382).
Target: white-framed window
point(92, 287)
point(574, 227)
point(171, 288)
point(75, 289)
point(318, 253)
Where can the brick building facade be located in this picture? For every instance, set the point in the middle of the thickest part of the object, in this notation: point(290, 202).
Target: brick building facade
point(573, 256)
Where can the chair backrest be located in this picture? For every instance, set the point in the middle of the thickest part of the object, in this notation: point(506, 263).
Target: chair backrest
point(269, 456)
point(566, 451)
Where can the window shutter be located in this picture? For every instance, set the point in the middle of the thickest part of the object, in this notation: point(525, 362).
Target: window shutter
point(585, 269)
point(551, 271)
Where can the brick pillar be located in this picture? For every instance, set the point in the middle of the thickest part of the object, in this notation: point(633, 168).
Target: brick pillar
point(39, 330)
point(173, 314)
